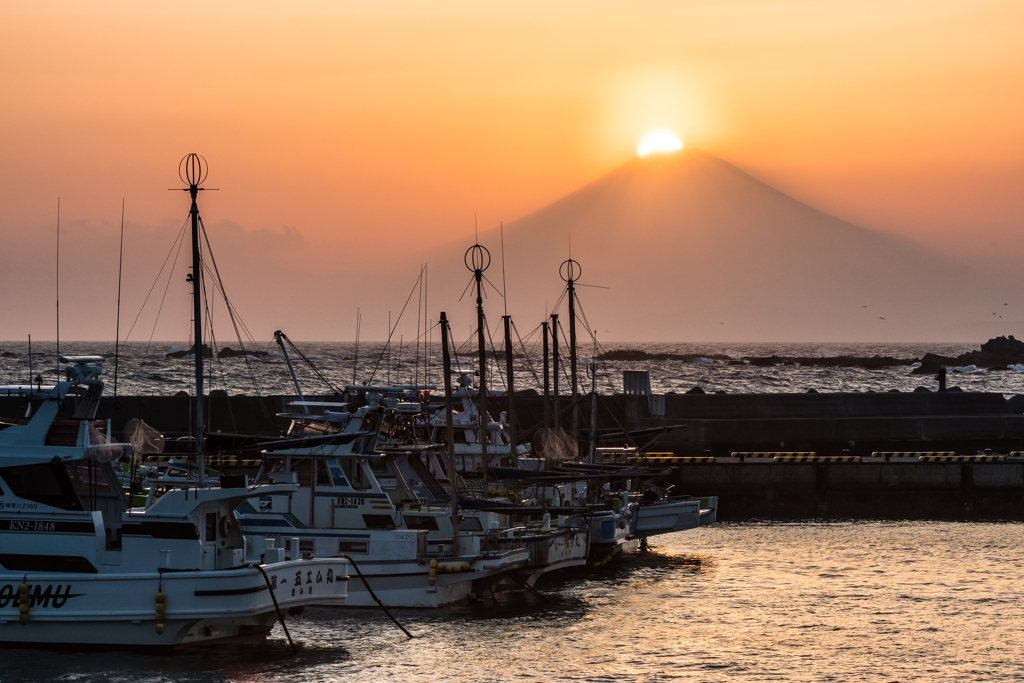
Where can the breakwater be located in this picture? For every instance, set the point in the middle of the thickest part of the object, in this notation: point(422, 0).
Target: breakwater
point(855, 426)
point(717, 425)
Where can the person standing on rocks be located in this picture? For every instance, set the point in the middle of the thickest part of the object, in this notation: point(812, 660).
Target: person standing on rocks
point(942, 378)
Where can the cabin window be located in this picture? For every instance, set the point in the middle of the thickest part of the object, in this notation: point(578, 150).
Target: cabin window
point(302, 470)
point(428, 523)
point(470, 524)
point(354, 547)
point(378, 521)
point(307, 545)
point(87, 478)
point(211, 527)
point(45, 483)
point(357, 479)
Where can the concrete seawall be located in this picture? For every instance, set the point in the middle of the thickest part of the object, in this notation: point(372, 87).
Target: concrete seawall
point(717, 425)
point(865, 490)
point(828, 424)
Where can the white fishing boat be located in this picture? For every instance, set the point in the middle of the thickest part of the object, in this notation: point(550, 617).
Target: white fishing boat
point(341, 509)
point(78, 567)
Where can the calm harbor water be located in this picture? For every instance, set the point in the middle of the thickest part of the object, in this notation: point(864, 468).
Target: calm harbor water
point(921, 601)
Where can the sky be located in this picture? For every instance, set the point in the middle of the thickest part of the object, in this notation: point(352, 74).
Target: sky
point(349, 141)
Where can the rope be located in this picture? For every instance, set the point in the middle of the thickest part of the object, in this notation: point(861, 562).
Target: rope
point(277, 608)
point(374, 596)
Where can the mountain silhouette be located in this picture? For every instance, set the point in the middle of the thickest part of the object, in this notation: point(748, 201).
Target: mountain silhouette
point(693, 248)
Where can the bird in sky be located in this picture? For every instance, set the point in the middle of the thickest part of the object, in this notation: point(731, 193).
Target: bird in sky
point(881, 318)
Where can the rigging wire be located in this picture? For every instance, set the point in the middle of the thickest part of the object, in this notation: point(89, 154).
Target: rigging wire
point(219, 284)
point(391, 331)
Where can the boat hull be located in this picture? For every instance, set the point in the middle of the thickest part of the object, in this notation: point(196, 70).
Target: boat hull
point(200, 607)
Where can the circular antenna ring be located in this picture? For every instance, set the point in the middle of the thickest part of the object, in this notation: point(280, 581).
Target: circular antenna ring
point(570, 270)
point(193, 169)
point(477, 258)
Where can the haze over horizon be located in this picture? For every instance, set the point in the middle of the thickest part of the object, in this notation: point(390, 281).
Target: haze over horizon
point(350, 143)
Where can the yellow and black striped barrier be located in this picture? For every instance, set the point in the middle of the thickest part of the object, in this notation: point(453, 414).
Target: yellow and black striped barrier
point(670, 460)
point(772, 455)
point(1017, 454)
point(211, 460)
point(912, 454)
point(962, 458)
point(817, 458)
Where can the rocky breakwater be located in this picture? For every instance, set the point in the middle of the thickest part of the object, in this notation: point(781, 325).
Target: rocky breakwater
point(866, 362)
point(1001, 353)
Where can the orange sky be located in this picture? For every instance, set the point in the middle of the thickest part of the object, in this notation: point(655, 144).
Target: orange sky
point(386, 126)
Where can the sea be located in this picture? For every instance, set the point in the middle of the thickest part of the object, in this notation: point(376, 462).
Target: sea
point(146, 369)
point(757, 601)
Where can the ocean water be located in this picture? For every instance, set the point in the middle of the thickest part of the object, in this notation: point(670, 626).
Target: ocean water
point(863, 601)
point(146, 370)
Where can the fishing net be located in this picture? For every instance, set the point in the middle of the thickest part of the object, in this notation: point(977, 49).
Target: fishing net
point(100, 448)
point(144, 439)
point(555, 445)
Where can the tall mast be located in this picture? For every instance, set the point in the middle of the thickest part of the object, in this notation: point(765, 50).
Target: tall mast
point(477, 260)
point(570, 271)
point(511, 388)
point(547, 378)
point(192, 170)
point(450, 427)
point(554, 372)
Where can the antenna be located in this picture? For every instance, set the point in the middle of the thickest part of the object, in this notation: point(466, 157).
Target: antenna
point(504, 285)
point(355, 361)
point(117, 332)
point(58, 289)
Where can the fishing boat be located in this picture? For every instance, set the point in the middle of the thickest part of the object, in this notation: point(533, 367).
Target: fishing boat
point(342, 510)
point(78, 567)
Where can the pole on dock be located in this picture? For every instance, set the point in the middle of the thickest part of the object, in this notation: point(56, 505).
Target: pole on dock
point(556, 410)
point(450, 427)
point(511, 388)
point(477, 260)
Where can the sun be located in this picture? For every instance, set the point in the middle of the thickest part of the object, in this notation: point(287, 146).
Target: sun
point(659, 142)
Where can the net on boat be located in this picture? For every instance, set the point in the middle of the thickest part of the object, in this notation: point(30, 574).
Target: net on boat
point(100, 447)
point(144, 439)
point(555, 445)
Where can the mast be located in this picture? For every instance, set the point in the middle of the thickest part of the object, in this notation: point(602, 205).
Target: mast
point(511, 388)
point(279, 336)
point(593, 405)
point(554, 367)
point(477, 260)
point(192, 170)
point(547, 381)
point(572, 273)
point(450, 426)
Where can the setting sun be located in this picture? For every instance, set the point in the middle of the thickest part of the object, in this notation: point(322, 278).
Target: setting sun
point(659, 142)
